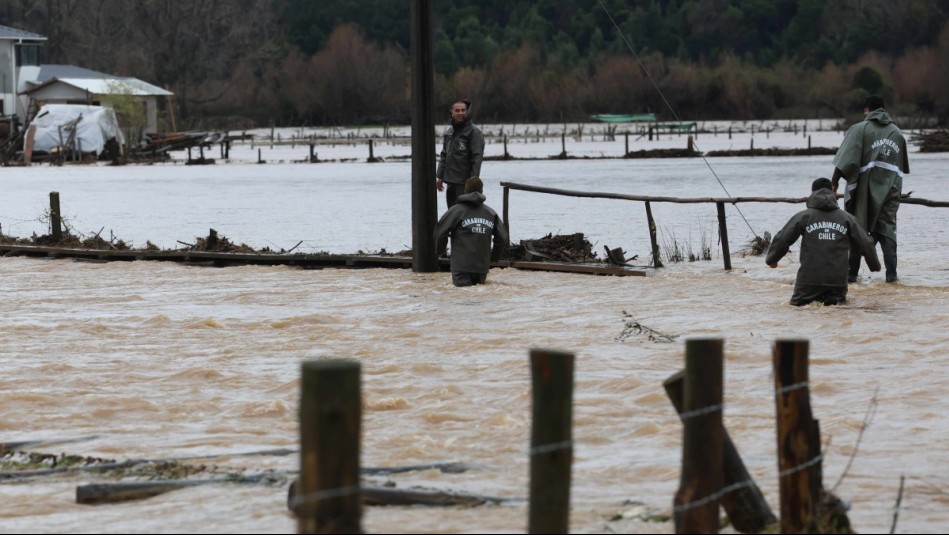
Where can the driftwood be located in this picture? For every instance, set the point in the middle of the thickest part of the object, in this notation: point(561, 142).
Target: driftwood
point(560, 248)
point(106, 493)
point(389, 496)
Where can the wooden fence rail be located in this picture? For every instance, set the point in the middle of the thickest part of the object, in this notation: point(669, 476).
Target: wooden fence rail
point(720, 203)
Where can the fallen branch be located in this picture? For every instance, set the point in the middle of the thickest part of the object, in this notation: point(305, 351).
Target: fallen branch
point(387, 496)
point(104, 493)
point(445, 468)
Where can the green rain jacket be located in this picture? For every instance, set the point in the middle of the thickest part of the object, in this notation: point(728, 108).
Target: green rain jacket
point(472, 225)
point(873, 160)
point(827, 234)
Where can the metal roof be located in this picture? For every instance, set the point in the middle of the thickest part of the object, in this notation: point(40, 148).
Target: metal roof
point(52, 71)
point(107, 85)
point(12, 34)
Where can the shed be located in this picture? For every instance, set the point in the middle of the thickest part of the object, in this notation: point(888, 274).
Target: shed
point(67, 84)
point(76, 128)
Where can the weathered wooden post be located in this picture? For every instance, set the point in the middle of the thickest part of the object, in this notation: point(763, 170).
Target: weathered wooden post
point(55, 219)
point(723, 234)
point(656, 262)
point(260, 158)
point(627, 144)
point(504, 213)
point(563, 144)
point(799, 454)
point(695, 506)
point(311, 153)
point(372, 158)
point(551, 453)
point(506, 155)
point(747, 509)
point(808, 142)
point(328, 495)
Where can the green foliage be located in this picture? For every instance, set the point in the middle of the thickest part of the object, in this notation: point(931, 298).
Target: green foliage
point(546, 60)
point(129, 109)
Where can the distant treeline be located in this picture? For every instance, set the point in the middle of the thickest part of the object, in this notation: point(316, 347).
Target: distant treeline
point(244, 63)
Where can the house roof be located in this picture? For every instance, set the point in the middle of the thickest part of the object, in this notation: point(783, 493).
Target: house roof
point(12, 34)
point(94, 82)
point(50, 71)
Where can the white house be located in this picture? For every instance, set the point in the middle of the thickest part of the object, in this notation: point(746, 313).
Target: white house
point(19, 50)
point(66, 84)
point(26, 84)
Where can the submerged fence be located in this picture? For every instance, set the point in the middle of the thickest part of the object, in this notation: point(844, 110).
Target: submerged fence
point(719, 202)
point(327, 497)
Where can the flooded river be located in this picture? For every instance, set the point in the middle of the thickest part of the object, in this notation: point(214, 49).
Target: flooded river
point(155, 360)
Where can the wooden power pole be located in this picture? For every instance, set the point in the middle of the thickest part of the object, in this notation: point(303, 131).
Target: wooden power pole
point(424, 197)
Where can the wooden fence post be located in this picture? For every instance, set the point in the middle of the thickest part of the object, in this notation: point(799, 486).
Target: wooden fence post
point(656, 262)
point(551, 453)
point(328, 497)
point(747, 509)
point(799, 455)
point(695, 507)
point(507, 220)
point(55, 219)
point(723, 234)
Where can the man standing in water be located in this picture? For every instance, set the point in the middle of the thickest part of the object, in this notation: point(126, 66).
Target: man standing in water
point(873, 159)
point(462, 153)
point(471, 225)
point(828, 234)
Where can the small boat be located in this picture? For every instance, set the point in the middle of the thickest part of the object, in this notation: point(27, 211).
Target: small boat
point(624, 118)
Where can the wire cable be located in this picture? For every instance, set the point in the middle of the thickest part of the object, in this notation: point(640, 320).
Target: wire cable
point(674, 114)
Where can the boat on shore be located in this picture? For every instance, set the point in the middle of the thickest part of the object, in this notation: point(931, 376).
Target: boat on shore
point(624, 118)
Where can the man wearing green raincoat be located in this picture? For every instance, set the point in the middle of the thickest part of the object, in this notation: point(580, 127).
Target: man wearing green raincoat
point(873, 160)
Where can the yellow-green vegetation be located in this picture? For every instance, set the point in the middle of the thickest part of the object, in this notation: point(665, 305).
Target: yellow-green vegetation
point(129, 110)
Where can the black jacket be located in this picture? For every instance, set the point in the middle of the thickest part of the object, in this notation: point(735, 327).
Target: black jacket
point(462, 153)
point(827, 233)
point(471, 225)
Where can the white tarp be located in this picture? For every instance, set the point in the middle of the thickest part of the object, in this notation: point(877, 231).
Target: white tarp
point(96, 125)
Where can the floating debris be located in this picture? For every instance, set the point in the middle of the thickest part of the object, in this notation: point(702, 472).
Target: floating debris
point(559, 248)
point(632, 328)
point(757, 246)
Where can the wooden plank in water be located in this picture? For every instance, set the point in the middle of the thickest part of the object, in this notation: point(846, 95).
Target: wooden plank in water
point(590, 269)
point(306, 261)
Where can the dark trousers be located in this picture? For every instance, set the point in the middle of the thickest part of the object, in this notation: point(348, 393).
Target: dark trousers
point(887, 246)
point(461, 278)
point(829, 295)
point(452, 191)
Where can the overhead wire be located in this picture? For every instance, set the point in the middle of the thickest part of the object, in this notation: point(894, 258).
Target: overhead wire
point(673, 112)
